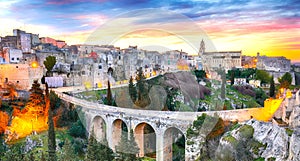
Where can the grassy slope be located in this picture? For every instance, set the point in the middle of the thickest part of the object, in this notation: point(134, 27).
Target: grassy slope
point(231, 94)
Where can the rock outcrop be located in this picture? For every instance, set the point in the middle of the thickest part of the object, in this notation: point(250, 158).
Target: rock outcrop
point(294, 152)
point(274, 137)
point(267, 140)
point(294, 120)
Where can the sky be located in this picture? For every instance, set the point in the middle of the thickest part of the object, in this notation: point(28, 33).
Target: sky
point(270, 27)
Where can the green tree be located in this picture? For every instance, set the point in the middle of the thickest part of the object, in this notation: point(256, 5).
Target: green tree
point(51, 132)
point(14, 153)
point(77, 130)
point(55, 101)
point(127, 148)
point(140, 78)
point(132, 90)
point(232, 78)
point(263, 76)
point(2, 146)
point(247, 73)
point(109, 100)
point(272, 87)
point(92, 149)
point(49, 64)
point(29, 157)
point(98, 151)
point(106, 152)
point(223, 86)
point(68, 152)
point(286, 80)
point(142, 91)
point(200, 74)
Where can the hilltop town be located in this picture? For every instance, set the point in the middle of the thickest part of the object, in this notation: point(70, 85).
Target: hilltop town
point(23, 54)
point(166, 95)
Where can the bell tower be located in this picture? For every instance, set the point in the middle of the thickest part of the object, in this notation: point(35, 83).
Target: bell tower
point(202, 48)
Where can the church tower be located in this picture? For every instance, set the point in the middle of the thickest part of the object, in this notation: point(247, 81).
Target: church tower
point(202, 48)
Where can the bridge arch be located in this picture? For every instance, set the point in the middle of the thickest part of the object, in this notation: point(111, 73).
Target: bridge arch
point(173, 137)
point(98, 127)
point(145, 137)
point(118, 126)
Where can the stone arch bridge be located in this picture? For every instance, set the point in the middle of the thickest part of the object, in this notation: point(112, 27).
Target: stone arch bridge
point(164, 126)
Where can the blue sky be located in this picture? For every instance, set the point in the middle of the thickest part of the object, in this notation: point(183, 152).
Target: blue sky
point(231, 24)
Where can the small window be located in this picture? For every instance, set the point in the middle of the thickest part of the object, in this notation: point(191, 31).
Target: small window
point(17, 81)
point(12, 58)
point(17, 66)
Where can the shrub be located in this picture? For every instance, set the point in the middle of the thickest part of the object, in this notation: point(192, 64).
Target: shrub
point(245, 90)
point(77, 130)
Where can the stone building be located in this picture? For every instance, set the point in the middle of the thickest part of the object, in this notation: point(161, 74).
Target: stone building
point(223, 59)
point(35, 39)
point(12, 55)
point(172, 58)
point(49, 40)
point(44, 50)
point(22, 75)
point(277, 64)
point(24, 40)
point(8, 41)
point(296, 68)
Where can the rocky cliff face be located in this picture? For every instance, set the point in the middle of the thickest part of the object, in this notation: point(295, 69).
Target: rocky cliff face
point(294, 151)
point(252, 140)
point(268, 141)
point(294, 120)
point(275, 138)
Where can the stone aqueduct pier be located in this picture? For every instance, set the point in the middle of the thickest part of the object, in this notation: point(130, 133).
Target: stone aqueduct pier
point(164, 126)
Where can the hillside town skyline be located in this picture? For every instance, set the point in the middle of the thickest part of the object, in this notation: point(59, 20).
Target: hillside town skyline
point(61, 43)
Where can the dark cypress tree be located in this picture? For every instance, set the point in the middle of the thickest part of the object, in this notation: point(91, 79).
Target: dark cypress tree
point(133, 147)
point(68, 152)
point(132, 90)
point(127, 148)
point(140, 84)
point(223, 86)
point(51, 132)
point(98, 151)
point(232, 77)
point(91, 154)
point(142, 91)
point(105, 152)
point(272, 87)
point(109, 95)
